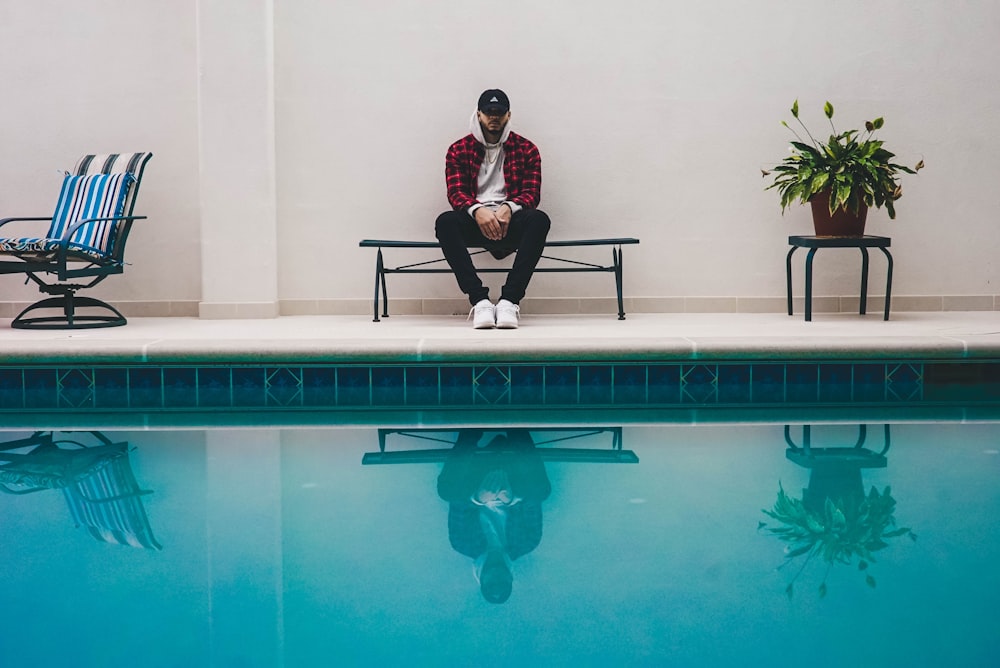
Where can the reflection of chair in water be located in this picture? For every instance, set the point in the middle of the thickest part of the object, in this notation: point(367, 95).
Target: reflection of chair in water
point(96, 480)
point(544, 439)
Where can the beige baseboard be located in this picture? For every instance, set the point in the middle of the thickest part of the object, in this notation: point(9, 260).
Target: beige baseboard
point(537, 305)
point(237, 310)
point(597, 305)
point(130, 309)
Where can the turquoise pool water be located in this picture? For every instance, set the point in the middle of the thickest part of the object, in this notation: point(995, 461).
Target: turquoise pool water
point(637, 544)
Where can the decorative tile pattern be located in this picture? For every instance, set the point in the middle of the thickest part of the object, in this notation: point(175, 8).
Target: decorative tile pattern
point(75, 388)
point(283, 386)
point(491, 385)
point(700, 384)
point(904, 382)
point(661, 384)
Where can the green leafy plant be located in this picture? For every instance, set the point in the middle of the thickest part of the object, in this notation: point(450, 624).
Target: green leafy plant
point(845, 529)
point(853, 166)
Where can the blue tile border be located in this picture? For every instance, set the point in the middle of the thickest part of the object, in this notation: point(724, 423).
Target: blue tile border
point(352, 386)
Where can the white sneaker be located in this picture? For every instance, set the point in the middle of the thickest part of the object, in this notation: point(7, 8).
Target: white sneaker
point(483, 315)
point(507, 314)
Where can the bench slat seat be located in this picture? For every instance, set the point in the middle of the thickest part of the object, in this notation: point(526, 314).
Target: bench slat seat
point(385, 243)
point(435, 266)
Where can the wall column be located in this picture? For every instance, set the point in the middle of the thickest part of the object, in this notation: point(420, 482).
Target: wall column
point(237, 159)
point(245, 558)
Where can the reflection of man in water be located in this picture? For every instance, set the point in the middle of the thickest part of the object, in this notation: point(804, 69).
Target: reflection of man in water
point(495, 495)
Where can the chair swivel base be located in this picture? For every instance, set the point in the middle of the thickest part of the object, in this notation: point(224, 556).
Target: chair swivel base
point(69, 319)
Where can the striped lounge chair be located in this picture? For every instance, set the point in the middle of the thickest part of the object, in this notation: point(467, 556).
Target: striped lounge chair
point(96, 480)
point(85, 240)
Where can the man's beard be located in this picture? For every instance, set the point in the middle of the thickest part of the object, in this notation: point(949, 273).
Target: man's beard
point(488, 131)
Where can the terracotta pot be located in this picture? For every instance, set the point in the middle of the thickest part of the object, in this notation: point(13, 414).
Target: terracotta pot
point(843, 223)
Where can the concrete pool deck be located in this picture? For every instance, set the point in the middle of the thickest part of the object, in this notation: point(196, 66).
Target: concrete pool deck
point(954, 335)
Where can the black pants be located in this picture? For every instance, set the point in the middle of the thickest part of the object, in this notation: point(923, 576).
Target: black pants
point(457, 231)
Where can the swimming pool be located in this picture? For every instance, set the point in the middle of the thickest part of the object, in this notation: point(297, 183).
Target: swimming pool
point(637, 542)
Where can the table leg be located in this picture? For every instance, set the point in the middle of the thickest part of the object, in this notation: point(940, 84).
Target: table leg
point(788, 277)
point(809, 284)
point(888, 282)
point(864, 279)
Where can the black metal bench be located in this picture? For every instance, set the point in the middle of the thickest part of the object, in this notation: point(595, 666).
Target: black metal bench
point(542, 437)
point(427, 267)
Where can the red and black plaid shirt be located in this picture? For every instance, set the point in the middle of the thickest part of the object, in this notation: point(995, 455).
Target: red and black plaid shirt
point(522, 171)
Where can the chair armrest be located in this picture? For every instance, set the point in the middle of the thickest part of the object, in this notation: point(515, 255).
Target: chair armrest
point(64, 239)
point(10, 490)
point(4, 221)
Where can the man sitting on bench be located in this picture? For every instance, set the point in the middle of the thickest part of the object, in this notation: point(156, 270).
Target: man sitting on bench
point(494, 181)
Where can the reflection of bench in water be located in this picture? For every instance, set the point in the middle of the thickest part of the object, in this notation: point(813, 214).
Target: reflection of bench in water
point(544, 438)
point(95, 477)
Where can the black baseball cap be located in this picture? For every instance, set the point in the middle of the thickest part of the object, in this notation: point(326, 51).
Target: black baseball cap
point(494, 101)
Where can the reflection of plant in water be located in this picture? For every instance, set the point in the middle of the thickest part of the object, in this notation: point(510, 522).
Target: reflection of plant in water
point(849, 527)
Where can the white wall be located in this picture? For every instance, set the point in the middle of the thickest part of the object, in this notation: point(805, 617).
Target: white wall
point(101, 77)
point(653, 118)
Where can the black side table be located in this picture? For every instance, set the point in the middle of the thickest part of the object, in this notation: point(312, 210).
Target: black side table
point(861, 243)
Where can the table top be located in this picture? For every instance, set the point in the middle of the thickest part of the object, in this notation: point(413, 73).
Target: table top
point(866, 241)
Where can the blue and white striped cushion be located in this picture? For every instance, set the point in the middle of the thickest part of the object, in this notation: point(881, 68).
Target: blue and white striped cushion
point(108, 502)
point(81, 197)
point(93, 196)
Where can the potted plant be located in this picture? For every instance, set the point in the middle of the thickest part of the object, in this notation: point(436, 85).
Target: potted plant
point(841, 177)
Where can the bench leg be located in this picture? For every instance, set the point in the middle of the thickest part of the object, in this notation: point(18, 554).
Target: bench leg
point(888, 287)
point(379, 278)
point(616, 255)
point(385, 296)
